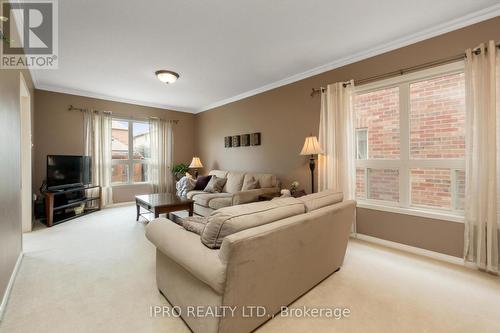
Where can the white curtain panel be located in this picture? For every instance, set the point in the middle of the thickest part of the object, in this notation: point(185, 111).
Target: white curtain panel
point(159, 172)
point(482, 192)
point(336, 167)
point(97, 145)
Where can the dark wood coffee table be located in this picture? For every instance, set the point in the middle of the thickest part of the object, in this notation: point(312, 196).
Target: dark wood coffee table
point(162, 203)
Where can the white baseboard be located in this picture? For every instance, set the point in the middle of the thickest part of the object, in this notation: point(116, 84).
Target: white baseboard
point(120, 204)
point(5, 299)
point(410, 249)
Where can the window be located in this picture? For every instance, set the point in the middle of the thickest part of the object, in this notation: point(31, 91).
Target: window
point(130, 151)
point(410, 140)
point(361, 143)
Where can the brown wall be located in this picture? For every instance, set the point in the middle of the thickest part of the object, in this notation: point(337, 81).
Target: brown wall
point(10, 206)
point(286, 115)
point(435, 235)
point(59, 131)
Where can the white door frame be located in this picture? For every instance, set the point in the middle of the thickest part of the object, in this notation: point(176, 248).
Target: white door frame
point(25, 155)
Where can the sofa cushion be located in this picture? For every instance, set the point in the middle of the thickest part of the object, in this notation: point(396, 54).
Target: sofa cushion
point(265, 179)
point(218, 203)
point(229, 220)
point(205, 198)
point(248, 196)
point(202, 210)
point(234, 182)
point(250, 184)
point(218, 173)
point(215, 185)
point(321, 199)
point(194, 223)
point(201, 182)
point(191, 194)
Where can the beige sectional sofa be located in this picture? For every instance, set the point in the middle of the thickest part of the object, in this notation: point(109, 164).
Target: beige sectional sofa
point(270, 254)
point(232, 193)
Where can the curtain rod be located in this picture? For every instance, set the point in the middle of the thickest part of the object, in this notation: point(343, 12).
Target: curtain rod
point(72, 108)
point(457, 57)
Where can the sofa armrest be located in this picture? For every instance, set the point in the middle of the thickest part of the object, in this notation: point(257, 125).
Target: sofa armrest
point(244, 197)
point(185, 248)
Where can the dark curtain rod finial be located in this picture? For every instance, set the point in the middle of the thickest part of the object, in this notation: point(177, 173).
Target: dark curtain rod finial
point(317, 91)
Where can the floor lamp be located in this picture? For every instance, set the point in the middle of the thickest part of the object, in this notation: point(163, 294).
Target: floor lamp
point(311, 147)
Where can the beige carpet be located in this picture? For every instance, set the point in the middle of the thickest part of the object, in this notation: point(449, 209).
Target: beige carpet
point(96, 274)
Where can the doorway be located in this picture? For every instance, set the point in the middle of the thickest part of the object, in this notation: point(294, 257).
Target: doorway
point(26, 146)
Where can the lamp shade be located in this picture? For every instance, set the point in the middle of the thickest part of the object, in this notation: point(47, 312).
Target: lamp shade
point(196, 163)
point(311, 146)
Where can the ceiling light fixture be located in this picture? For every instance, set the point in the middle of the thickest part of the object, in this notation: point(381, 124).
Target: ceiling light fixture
point(167, 77)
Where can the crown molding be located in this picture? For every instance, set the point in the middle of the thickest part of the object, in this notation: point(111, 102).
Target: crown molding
point(455, 24)
point(84, 93)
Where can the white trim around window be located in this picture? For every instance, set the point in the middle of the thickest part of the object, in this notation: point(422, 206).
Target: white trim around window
point(404, 164)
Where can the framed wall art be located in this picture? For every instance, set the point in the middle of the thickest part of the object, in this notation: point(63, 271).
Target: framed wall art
point(236, 141)
point(245, 140)
point(255, 139)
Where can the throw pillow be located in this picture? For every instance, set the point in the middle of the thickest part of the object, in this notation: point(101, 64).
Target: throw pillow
point(194, 223)
point(201, 183)
point(215, 185)
point(250, 184)
point(184, 185)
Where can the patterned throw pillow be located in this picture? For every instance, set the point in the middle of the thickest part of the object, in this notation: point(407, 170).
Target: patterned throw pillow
point(184, 185)
point(250, 184)
point(201, 183)
point(194, 223)
point(215, 185)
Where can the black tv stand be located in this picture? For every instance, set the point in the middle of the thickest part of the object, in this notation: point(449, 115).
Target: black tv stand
point(66, 204)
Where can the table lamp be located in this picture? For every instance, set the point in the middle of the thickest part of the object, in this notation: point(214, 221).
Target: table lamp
point(196, 164)
point(311, 147)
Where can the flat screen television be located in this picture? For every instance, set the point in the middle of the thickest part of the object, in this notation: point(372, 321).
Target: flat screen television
point(64, 171)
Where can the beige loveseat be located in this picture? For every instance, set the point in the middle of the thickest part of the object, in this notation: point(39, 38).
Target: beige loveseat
point(268, 265)
point(233, 192)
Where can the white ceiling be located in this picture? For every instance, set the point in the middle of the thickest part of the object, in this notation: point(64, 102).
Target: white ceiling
point(225, 50)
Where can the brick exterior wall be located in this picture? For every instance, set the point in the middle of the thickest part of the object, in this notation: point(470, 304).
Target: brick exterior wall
point(460, 189)
point(431, 187)
point(437, 130)
point(383, 184)
point(378, 112)
point(360, 183)
point(437, 117)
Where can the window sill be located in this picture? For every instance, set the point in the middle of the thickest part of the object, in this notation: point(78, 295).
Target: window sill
point(445, 216)
point(129, 184)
